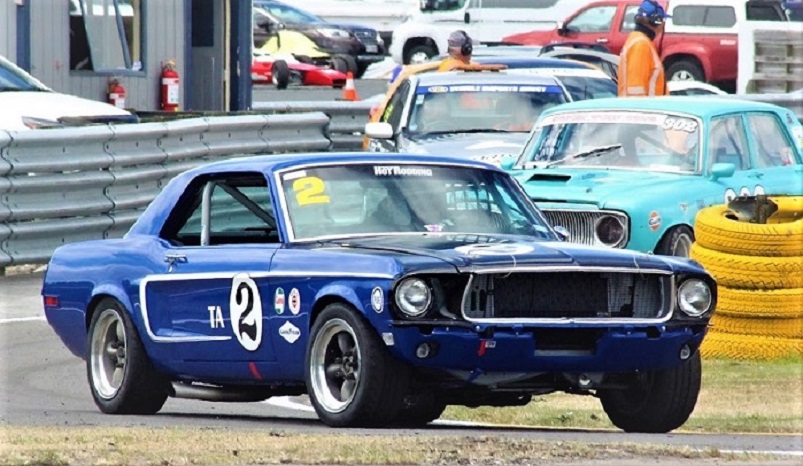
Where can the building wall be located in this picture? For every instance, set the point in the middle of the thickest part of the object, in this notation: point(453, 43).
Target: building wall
point(163, 23)
point(8, 29)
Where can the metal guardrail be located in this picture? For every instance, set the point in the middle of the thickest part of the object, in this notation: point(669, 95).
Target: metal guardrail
point(72, 184)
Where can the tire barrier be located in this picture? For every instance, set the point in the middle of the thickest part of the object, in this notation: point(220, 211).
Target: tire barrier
point(759, 269)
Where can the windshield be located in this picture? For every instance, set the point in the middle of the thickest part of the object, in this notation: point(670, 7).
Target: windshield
point(615, 139)
point(369, 199)
point(288, 14)
point(13, 78)
point(582, 88)
point(479, 108)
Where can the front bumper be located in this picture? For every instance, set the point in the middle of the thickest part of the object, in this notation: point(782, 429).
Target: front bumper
point(483, 349)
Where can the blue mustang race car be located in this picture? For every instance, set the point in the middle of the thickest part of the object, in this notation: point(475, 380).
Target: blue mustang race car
point(384, 286)
point(633, 173)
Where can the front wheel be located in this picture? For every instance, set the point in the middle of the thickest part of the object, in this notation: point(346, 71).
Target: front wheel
point(656, 401)
point(121, 377)
point(676, 242)
point(352, 380)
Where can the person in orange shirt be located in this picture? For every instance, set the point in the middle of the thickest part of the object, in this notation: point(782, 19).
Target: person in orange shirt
point(460, 50)
point(641, 72)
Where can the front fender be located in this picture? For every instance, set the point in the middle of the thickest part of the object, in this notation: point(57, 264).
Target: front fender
point(698, 51)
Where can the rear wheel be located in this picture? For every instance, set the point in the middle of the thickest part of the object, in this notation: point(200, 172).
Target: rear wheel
point(121, 377)
point(419, 54)
point(352, 379)
point(685, 70)
point(656, 401)
point(280, 73)
point(339, 63)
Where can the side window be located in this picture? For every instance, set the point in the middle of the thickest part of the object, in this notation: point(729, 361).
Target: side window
point(106, 36)
point(727, 142)
point(442, 5)
point(720, 17)
point(597, 19)
point(629, 20)
point(537, 4)
point(395, 108)
point(688, 15)
point(240, 211)
point(772, 145)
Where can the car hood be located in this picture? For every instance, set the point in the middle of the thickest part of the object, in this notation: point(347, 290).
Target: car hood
point(49, 106)
point(430, 252)
point(599, 187)
point(537, 37)
point(470, 145)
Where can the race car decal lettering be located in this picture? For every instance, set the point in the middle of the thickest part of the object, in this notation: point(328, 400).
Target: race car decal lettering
point(396, 170)
point(680, 124)
point(295, 175)
point(604, 117)
point(486, 249)
point(278, 301)
point(295, 301)
point(215, 317)
point(245, 306)
point(487, 88)
point(377, 300)
point(289, 332)
point(309, 190)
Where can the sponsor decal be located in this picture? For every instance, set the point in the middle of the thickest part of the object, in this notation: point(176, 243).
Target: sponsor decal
point(289, 332)
point(245, 307)
point(494, 249)
point(294, 301)
point(398, 170)
point(279, 301)
point(640, 118)
point(377, 299)
point(654, 221)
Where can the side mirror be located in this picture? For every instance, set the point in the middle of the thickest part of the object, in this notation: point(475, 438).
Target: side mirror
point(562, 232)
point(722, 170)
point(466, 18)
point(379, 130)
point(507, 163)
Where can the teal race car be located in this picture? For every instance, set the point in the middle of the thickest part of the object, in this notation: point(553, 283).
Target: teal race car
point(632, 173)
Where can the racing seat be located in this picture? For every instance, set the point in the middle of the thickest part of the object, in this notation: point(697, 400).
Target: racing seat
point(391, 214)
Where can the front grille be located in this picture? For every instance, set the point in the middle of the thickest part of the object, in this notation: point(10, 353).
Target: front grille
point(581, 223)
point(366, 37)
point(567, 295)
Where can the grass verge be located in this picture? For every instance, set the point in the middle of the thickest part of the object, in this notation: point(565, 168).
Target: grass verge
point(736, 396)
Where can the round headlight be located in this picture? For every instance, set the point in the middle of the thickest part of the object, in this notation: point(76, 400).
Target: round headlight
point(413, 297)
point(694, 297)
point(610, 231)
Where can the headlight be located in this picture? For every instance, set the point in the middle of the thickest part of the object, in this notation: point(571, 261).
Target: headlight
point(694, 297)
point(333, 33)
point(610, 231)
point(413, 297)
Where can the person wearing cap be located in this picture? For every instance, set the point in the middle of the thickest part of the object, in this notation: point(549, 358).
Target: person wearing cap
point(460, 49)
point(641, 72)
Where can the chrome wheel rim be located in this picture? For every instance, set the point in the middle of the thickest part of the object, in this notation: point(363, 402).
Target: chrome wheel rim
point(418, 57)
point(682, 75)
point(335, 365)
point(108, 354)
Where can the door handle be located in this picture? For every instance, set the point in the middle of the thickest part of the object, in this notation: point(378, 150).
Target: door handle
point(175, 258)
point(602, 40)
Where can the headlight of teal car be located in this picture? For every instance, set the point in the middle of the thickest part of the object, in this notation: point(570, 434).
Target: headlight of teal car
point(414, 297)
point(694, 297)
point(610, 231)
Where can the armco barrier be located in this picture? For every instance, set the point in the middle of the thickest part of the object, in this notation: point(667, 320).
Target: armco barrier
point(65, 185)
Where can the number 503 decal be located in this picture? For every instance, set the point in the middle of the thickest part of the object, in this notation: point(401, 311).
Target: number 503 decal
point(309, 190)
point(730, 193)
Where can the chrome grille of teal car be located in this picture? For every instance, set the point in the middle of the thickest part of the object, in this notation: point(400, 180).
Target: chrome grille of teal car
point(568, 295)
point(581, 223)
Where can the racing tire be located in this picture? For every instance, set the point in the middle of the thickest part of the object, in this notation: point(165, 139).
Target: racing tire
point(352, 380)
point(750, 272)
point(351, 65)
point(417, 53)
point(685, 70)
point(658, 401)
point(121, 377)
point(749, 347)
point(426, 409)
point(280, 73)
point(339, 63)
point(718, 232)
point(775, 328)
point(676, 242)
point(766, 304)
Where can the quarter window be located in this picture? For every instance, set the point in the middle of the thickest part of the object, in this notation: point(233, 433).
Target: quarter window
point(106, 35)
point(597, 19)
point(772, 146)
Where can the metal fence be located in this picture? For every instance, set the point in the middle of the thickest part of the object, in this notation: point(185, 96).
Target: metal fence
point(347, 119)
point(64, 185)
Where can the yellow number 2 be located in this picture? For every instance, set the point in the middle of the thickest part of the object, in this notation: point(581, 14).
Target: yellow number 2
point(309, 190)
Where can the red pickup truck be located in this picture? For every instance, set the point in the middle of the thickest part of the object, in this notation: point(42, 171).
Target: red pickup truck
point(699, 43)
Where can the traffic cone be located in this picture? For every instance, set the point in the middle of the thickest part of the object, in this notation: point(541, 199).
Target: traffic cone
point(349, 91)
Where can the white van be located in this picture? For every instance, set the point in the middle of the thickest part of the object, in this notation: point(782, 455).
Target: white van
point(425, 33)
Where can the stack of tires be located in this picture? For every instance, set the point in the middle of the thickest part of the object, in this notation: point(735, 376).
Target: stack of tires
point(759, 271)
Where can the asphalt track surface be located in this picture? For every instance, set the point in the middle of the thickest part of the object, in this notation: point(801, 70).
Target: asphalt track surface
point(365, 88)
point(42, 384)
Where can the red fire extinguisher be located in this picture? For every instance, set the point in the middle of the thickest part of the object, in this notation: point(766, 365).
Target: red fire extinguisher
point(116, 93)
point(170, 87)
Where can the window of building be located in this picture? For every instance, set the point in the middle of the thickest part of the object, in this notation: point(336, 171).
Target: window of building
point(106, 35)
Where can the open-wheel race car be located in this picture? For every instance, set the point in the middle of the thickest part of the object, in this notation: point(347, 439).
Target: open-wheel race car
point(285, 70)
point(384, 286)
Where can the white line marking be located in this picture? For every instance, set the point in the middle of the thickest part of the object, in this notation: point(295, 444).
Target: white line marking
point(763, 452)
point(22, 319)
